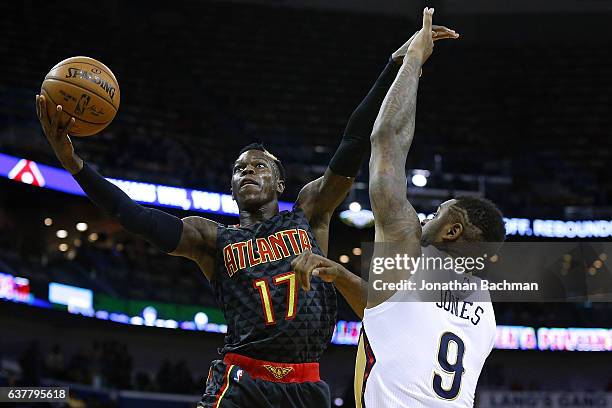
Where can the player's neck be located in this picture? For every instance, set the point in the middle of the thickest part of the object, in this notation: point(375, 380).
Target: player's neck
point(253, 216)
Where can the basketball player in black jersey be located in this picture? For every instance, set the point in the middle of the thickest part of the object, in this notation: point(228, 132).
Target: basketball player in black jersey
point(276, 331)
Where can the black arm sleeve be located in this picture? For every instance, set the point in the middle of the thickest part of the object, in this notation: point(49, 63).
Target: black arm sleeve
point(355, 143)
point(159, 228)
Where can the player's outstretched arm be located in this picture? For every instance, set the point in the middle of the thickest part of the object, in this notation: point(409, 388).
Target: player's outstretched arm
point(351, 286)
point(396, 221)
point(320, 197)
point(192, 237)
point(395, 218)
point(392, 134)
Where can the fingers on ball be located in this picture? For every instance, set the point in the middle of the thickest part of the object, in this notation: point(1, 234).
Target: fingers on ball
point(71, 123)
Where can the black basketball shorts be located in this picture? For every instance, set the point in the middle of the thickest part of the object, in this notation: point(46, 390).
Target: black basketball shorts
point(242, 382)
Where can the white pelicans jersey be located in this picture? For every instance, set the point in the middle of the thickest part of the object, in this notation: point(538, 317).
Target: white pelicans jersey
point(424, 353)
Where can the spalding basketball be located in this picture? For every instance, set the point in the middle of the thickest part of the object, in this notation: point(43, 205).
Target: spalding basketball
point(87, 91)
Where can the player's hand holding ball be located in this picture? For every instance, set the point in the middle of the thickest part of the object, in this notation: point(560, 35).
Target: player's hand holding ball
point(58, 136)
point(79, 96)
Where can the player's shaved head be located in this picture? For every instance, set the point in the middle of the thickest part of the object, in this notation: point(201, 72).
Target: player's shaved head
point(257, 177)
point(468, 219)
point(483, 220)
point(260, 147)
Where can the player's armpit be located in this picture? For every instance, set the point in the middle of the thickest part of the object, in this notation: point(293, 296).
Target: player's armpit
point(198, 242)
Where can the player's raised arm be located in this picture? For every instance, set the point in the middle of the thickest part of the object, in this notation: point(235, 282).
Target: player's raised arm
point(320, 197)
point(396, 221)
point(192, 237)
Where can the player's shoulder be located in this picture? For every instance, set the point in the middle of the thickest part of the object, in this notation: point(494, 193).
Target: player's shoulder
point(200, 222)
point(199, 229)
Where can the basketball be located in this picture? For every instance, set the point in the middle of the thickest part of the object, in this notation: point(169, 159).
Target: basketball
point(87, 91)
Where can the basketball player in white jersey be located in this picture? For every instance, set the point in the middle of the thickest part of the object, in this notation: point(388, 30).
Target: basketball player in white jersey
point(415, 350)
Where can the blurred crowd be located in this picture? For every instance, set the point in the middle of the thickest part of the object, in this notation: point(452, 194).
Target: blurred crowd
point(106, 364)
point(124, 266)
point(527, 125)
point(540, 131)
point(109, 365)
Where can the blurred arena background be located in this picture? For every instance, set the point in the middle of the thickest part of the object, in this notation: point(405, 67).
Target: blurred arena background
point(518, 111)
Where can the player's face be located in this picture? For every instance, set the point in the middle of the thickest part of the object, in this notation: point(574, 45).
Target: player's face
point(436, 230)
point(255, 180)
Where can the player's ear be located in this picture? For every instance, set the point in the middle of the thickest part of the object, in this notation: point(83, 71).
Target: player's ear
point(280, 187)
point(452, 232)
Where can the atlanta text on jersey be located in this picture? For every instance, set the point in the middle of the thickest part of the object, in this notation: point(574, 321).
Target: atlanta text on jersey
point(280, 245)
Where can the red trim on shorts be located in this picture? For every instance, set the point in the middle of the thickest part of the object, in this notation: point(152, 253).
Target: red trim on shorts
point(273, 371)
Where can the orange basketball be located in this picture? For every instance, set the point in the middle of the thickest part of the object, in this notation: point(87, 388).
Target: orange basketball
point(87, 91)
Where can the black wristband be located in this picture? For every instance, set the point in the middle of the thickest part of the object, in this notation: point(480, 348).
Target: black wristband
point(159, 228)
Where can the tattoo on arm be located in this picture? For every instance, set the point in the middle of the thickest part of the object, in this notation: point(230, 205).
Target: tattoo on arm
point(396, 219)
point(397, 114)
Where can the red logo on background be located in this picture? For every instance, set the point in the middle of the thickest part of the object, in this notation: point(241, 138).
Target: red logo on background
point(26, 171)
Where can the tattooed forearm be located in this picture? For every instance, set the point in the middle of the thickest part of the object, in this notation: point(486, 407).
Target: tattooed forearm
point(397, 114)
point(391, 138)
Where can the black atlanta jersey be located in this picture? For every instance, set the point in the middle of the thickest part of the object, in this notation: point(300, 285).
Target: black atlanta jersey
point(269, 317)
